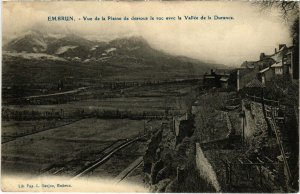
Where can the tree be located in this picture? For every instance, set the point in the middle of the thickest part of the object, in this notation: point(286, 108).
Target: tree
point(288, 9)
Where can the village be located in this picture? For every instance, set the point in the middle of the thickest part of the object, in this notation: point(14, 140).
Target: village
point(167, 107)
point(281, 63)
point(264, 127)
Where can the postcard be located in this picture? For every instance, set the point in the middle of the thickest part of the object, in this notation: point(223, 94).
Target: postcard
point(150, 96)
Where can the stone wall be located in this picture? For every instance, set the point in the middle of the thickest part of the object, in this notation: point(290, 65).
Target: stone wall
point(205, 169)
point(254, 122)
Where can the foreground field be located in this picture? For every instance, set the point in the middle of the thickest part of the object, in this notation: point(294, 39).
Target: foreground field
point(72, 144)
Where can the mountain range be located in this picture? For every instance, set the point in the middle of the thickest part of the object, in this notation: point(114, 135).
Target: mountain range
point(75, 56)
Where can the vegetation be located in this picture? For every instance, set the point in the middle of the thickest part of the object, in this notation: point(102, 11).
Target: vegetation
point(283, 90)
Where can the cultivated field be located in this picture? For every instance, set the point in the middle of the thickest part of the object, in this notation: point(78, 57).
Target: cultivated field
point(82, 141)
point(67, 134)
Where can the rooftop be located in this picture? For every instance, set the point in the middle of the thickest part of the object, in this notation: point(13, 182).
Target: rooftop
point(224, 79)
point(255, 83)
point(277, 64)
point(264, 70)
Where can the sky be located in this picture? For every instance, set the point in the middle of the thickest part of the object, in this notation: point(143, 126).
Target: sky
point(228, 42)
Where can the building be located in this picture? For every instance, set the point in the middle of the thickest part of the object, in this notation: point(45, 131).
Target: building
point(224, 81)
point(281, 63)
point(255, 83)
point(284, 57)
point(211, 80)
point(277, 68)
point(217, 80)
point(287, 62)
point(248, 65)
point(265, 75)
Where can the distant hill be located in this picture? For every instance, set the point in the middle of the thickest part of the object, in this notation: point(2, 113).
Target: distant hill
point(47, 58)
point(32, 41)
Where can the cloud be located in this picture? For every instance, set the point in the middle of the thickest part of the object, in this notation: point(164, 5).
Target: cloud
point(227, 42)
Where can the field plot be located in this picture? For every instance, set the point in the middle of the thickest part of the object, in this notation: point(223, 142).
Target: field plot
point(107, 90)
point(120, 102)
point(78, 109)
point(144, 103)
point(66, 147)
point(15, 129)
point(174, 89)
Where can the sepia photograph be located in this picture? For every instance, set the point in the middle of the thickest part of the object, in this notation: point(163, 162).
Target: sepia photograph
point(150, 96)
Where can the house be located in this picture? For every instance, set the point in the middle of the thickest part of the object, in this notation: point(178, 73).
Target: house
point(255, 83)
point(287, 62)
point(224, 81)
point(250, 70)
point(277, 68)
point(285, 57)
point(253, 88)
point(210, 81)
point(216, 80)
point(248, 65)
point(266, 75)
point(281, 63)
